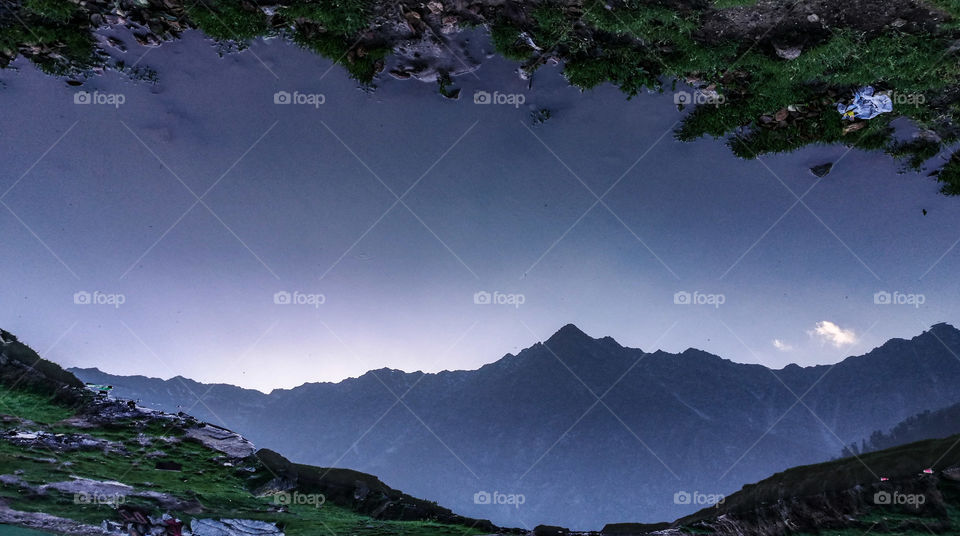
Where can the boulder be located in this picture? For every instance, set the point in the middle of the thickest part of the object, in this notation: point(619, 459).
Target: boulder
point(822, 169)
point(233, 527)
point(226, 441)
point(788, 52)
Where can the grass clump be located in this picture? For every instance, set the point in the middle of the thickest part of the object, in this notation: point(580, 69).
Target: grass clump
point(362, 63)
point(55, 10)
point(340, 17)
point(228, 20)
point(39, 408)
point(949, 176)
point(507, 42)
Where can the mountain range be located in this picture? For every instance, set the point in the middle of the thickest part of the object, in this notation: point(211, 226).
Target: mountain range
point(76, 461)
point(575, 430)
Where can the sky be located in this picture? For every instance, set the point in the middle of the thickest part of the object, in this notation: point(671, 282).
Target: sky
point(201, 229)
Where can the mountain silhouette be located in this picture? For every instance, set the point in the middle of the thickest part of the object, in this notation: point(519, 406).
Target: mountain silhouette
point(586, 430)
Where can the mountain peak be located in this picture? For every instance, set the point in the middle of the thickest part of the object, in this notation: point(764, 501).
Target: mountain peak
point(942, 328)
point(567, 333)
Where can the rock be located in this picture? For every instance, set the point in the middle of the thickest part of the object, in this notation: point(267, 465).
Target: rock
point(12, 480)
point(813, 17)
point(117, 44)
point(46, 522)
point(435, 7)
point(89, 487)
point(951, 473)
point(549, 530)
point(147, 39)
point(450, 24)
point(822, 169)
point(233, 527)
point(63, 442)
point(426, 57)
point(898, 23)
point(226, 441)
point(414, 22)
point(788, 52)
point(927, 135)
point(854, 127)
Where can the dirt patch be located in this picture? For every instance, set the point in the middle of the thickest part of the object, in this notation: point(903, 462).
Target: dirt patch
point(774, 24)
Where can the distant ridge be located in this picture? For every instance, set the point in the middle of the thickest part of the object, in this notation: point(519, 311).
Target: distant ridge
point(531, 422)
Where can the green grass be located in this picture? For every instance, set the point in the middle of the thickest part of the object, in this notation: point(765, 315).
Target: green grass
point(55, 10)
point(35, 407)
point(506, 41)
point(228, 20)
point(724, 4)
point(340, 17)
point(949, 176)
point(646, 22)
point(836, 476)
point(553, 26)
point(223, 491)
point(640, 44)
point(362, 64)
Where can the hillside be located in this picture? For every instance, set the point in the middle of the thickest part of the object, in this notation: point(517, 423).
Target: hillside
point(910, 490)
point(72, 462)
point(530, 423)
point(925, 425)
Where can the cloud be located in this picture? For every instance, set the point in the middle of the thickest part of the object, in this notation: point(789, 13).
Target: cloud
point(829, 332)
point(782, 346)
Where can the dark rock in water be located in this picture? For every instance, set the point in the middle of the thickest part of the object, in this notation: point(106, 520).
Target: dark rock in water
point(822, 169)
point(540, 116)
